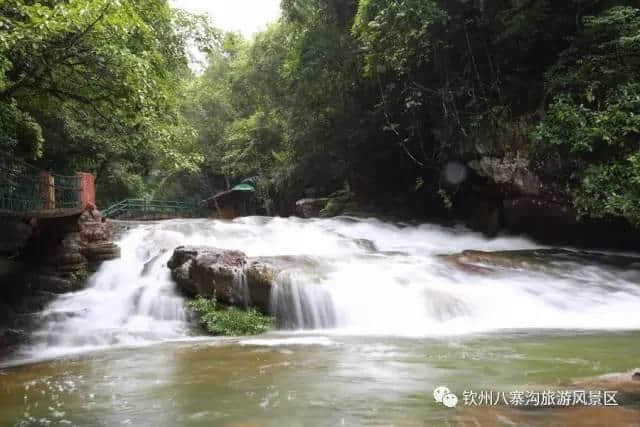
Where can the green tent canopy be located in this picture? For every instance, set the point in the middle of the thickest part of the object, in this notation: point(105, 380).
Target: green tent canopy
point(244, 187)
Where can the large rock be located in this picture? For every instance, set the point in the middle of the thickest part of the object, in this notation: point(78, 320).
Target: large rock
point(513, 196)
point(310, 208)
point(260, 278)
point(509, 171)
point(510, 192)
point(62, 251)
point(231, 276)
point(211, 271)
point(554, 261)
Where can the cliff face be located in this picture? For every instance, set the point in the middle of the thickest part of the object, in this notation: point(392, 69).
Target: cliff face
point(40, 259)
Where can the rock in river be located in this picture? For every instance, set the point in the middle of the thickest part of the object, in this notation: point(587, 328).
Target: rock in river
point(231, 276)
point(310, 208)
point(554, 261)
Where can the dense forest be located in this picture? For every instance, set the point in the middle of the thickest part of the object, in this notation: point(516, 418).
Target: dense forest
point(397, 103)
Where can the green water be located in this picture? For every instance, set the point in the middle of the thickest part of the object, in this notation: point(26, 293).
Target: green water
point(317, 380)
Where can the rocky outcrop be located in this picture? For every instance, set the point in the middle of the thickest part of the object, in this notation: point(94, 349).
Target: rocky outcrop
point(260, 276)
point(310, 208)
point(554, 261)
point(505, 193)
point(513, 172)
point(55, 254)
point(208, 272)
point(96, 238)
point(65, 250)
point(45, 258)
point(231, 276)
point(509, 193)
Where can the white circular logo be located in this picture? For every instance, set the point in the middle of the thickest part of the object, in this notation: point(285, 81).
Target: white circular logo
point(450, 400)
point(443, 395)
point(440, 392)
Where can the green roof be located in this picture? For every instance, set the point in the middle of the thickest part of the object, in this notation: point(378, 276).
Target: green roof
point(244, 187)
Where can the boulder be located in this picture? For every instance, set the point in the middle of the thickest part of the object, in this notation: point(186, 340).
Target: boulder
point(310, 208)
point(260, 278)
point(554, 261)
point(262, 273)
point(231, 276)
point(209, 272)
point(484, 262)
point(514, 172)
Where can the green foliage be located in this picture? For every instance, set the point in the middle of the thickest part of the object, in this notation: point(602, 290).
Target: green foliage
point(231, 321)
point(20, 134)
point(337, 203)
point(379, 94)
point(96, 82)
point(282, 107)
point(593, 119)
point(397, 35)
point(252, 144)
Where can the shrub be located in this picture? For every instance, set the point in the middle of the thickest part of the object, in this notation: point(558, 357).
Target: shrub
point(229, 321)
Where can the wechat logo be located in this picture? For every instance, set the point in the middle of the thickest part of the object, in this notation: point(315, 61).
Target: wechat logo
point(443, 395)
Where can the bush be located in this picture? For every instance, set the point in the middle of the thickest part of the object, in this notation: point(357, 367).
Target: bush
point(337, 204)
point(229, 321)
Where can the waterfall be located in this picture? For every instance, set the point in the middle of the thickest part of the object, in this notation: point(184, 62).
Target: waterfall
point(129, 301)
point(297, 304)
point(367, 277)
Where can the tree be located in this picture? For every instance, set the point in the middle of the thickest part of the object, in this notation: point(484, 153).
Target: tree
point(592, 122)
point(101, 80)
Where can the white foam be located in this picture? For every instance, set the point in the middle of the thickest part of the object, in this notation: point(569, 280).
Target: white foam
point(392, 285)
point(275, 342)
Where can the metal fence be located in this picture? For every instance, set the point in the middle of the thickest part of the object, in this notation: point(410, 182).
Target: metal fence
point(68, 191)
point(142, 207)
point(24, 188)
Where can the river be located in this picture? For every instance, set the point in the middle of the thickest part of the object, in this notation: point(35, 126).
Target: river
point(371, 322)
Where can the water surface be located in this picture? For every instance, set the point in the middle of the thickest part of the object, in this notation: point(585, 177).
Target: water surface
point(373, 321)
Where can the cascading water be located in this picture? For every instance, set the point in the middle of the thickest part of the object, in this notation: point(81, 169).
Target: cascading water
point(354, 276)
point(297, 303)
point(128, 301)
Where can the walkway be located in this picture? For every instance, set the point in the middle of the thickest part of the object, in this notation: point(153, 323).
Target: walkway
point(152, 209)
